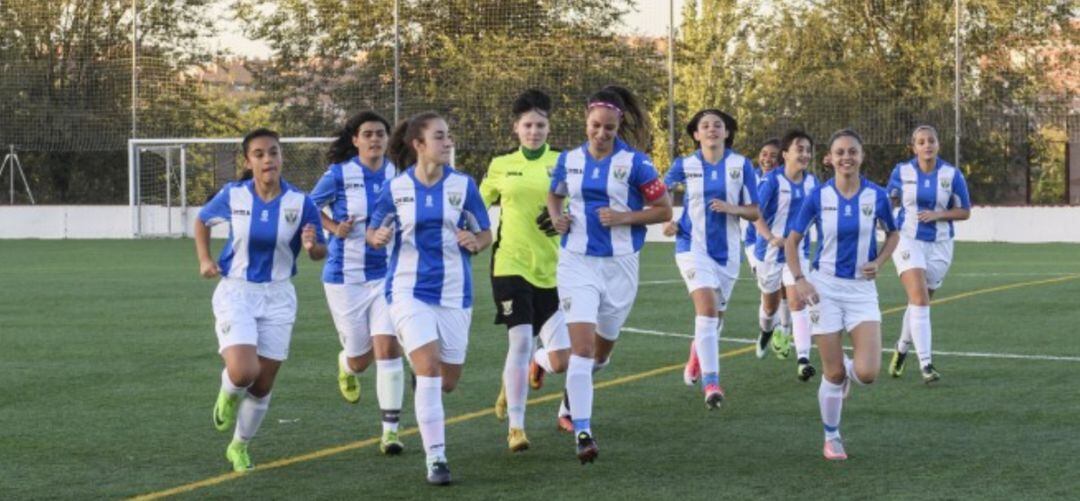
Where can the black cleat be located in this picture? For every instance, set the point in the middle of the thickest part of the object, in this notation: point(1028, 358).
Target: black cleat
point(805, 370)
point(930, 374)
point(763, 344)
point(586, 448)
point(438, 473)
point(896, 365)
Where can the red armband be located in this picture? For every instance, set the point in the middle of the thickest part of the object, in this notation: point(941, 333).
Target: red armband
point(653, 190)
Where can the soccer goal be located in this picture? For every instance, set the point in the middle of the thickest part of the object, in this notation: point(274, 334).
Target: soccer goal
point(169, 180)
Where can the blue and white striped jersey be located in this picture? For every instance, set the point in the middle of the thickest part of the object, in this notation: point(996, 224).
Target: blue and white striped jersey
point(781, 199)
point(942, 189)
point(351, 189)
point(426, 261)
point(701, 229)
point(846, 226)
point(623, 181)
point(264, 237)
point(750, 239)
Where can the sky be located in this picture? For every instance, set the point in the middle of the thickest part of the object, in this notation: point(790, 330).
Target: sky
point(650, 19)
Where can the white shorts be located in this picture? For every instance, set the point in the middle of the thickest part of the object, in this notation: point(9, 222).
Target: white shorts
point(933, 257)
point(703, 272)
point(260, 315)
point(842, 303)
point(771, 275)
point(359, 312)
point(597, 290)
point(418, 323)
point(751, 258)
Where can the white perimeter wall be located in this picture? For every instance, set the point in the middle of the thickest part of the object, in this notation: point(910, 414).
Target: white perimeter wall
point(987, 224)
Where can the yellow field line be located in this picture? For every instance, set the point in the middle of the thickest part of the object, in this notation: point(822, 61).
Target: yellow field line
point(330, 451)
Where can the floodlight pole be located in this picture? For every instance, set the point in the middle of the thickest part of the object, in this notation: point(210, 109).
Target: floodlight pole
point(671, 79)
point(134, 64)
point(956, 83)
point(397, 63)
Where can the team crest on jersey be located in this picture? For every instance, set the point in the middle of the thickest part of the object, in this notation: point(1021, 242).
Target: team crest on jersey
point(815, 315)
point(713, 176)
point(946, 184)
point(596, 173)
point(428, 202)
point(566, 304)
point(690, 274)
point(621, 172)
point(905, 255)
point(734, 173)
point(867, 209)
point(926, 184)
point(847, 210)
point(264, 216)
point(225, 328)
point(508, 307)
point(291, 215)
point(455, 200)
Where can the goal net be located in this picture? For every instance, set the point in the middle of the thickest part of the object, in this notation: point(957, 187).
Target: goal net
point(171, 179)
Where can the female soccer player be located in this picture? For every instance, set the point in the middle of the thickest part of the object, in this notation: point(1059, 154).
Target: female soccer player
point(719, 189)
point(931, 194)
point(255, 302)
point(436, 219)
point(840, 291)
point(613, 191)
point(353, 277)
point(523, 263)
point(781, 195)
point(768, 158)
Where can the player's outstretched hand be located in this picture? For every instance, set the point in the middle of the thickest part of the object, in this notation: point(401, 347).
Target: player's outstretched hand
point(344, 228)
point(543, 221)
point(610, 218)
point(467, 240)
point(382, 237)
point(209, 269)
point(307, 236)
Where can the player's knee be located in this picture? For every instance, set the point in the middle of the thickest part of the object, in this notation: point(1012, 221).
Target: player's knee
point(559, 364)
point(865, 376)
point(243, 376)
point(448, 385)
point(834, 375)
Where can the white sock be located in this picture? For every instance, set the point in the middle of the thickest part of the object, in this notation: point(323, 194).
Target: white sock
point(831, 401)
point(540, 356)
point(905, 334)
point(579, 390)
point(849, 369)
point(249, 416)
point(766, 321)
point(800, 323)
point(344, 361)
point(707, 343)
point(430, 417)
point(229, 387)
point(785, 315)
point(516, 373)
point(390, 389)
point(919, 321)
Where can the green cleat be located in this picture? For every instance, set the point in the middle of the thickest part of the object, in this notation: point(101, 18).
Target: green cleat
point(237, 454)
point(781, 344)
point(224, 414)
point(896, 365)
point(390, 444)
point(348, 384)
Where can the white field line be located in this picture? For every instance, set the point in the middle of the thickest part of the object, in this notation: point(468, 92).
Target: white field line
point(969, 354)
point(973, 274)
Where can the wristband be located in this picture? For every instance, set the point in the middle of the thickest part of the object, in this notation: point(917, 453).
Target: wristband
point(799, 277)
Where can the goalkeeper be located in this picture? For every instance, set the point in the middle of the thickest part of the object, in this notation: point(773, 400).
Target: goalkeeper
point(523, 263)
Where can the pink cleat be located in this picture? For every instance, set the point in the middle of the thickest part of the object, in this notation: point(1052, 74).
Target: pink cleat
point(714, 396)
point(834, 450)
point(692, 370)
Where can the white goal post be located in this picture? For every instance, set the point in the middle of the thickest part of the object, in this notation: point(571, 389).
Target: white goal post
point(169, 179)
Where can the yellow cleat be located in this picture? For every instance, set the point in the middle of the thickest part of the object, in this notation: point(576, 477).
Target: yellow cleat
point(500, 404)
point(517, 440)
point(348, 384)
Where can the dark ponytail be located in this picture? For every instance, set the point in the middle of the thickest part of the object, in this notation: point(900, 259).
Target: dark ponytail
point(634, 128)
point(401, 151)
point(342, 148)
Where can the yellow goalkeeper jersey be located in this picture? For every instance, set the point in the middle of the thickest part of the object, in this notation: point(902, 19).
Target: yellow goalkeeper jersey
point(520, 187)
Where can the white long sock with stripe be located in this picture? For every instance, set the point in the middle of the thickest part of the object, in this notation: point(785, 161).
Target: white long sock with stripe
point(516, 373)
point(249, 416)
